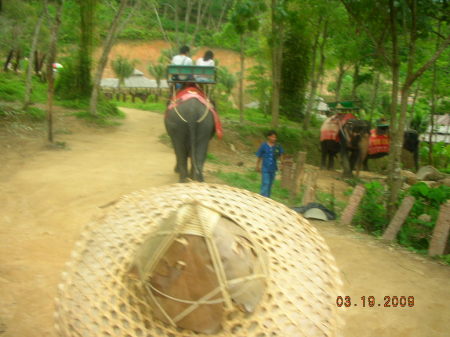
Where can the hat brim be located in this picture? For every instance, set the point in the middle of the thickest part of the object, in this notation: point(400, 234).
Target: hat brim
point(97, 298)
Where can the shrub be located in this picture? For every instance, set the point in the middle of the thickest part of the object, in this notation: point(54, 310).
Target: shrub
point(371, 215)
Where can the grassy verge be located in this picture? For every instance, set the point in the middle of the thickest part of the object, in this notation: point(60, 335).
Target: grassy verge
point(251, 181)
point(149, 106)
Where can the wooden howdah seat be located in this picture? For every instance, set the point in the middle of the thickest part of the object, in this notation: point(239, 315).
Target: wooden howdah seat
point(191, 74)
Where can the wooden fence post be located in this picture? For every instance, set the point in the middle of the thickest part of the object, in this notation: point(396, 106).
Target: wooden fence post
point(440, 232)
point(353, 203)
point(310, 191)
point(399, 218)
point(298, 174)
point(286, 173)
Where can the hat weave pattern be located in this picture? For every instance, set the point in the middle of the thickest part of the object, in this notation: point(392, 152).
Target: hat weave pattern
point(98, 298)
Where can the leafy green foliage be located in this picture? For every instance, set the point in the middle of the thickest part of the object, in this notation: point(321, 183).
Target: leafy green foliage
point(122, 68)
point(244, 15)
point(417, 230)
point(371, 215)
point(294, 71)
point(158, 71)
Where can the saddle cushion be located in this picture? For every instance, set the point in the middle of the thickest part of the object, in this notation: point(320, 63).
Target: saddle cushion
point(330, 128)
point(194, 92)
point(378, 143)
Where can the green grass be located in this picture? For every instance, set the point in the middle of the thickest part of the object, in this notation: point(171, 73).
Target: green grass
point(149, 106)
point(251, 181)
point(12, 88)
point(213, 159)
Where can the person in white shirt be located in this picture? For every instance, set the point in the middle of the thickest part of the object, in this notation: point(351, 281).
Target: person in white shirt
point(182, 59)
point(206, 60)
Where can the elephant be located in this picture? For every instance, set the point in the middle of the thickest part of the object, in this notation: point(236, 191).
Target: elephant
point(410, 143)
point(351, 142)
point(190, 125)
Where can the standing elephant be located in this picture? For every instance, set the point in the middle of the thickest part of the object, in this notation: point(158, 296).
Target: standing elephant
point(190, 123)
point(379, 144)
point(349, 137)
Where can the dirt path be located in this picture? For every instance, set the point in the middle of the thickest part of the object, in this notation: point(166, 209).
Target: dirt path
point(47, 198)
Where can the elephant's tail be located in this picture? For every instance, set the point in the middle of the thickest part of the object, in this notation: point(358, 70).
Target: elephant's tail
point(192, 125)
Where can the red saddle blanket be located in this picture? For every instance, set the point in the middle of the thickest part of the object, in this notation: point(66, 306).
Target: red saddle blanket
point(194, 92)
point(330, 127)
point(378, 143)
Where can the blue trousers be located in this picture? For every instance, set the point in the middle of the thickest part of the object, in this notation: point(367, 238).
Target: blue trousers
point(266, 183)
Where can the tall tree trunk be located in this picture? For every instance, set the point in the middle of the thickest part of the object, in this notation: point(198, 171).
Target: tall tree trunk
point(8, 60)
point(17, 59)
point(87, 8)
point(31, 59)
point(315, 72)
point(200, 9)
point(373, 101)
point(166, 37)
point(50, 61)
point(277, 62)
point(222, 13)
point(339, 78)
point(394, 182)
point(355, 80)
point(107, 46)
point(241, 80)
point(413, 106)
point(187, 17)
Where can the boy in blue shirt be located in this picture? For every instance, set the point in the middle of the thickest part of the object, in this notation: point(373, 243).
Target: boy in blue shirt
point(267, 154)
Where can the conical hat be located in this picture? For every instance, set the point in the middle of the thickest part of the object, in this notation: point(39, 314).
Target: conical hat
point(298, 278)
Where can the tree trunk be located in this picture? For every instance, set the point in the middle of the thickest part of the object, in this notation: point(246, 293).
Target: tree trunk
point(413, 106)
point(17, 60)
point(315, 74)
point(355, 80)
point(373, 102)
point(107, 46)
point(160, 24)
point(394, 181)
point(340, 76)
point(50, 61)
point(8, 60)
point(187, 17)
point(200, 10)
point(277, 61)
point(87, 8)
point(222, 13)
point(31, 59)
point(241, 80)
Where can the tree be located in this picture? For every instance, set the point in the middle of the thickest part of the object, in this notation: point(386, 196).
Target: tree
point(294, 69)
point(397, 22)
point(87, 13)
point(50, 61)
point(107, 46)
point(158, 71)
point(245, 18)
point(31, 60)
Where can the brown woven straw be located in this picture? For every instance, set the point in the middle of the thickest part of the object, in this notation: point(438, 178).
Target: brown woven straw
point(106, 290)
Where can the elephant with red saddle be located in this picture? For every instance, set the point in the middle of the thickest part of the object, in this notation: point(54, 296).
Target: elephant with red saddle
point(379, 144)
point(191, 122)
point(348, 136)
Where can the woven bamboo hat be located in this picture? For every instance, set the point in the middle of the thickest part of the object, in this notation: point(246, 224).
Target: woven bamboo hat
point(122, 276)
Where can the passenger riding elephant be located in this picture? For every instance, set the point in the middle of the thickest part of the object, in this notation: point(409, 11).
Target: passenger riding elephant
point(349, 137)
point(190, 123)
point(379, 144)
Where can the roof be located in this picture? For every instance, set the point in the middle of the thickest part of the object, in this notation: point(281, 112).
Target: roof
point(137, 80)
point(347, 105)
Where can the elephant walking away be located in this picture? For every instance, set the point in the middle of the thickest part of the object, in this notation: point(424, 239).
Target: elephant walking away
point(191, 122)
point(348, 136)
